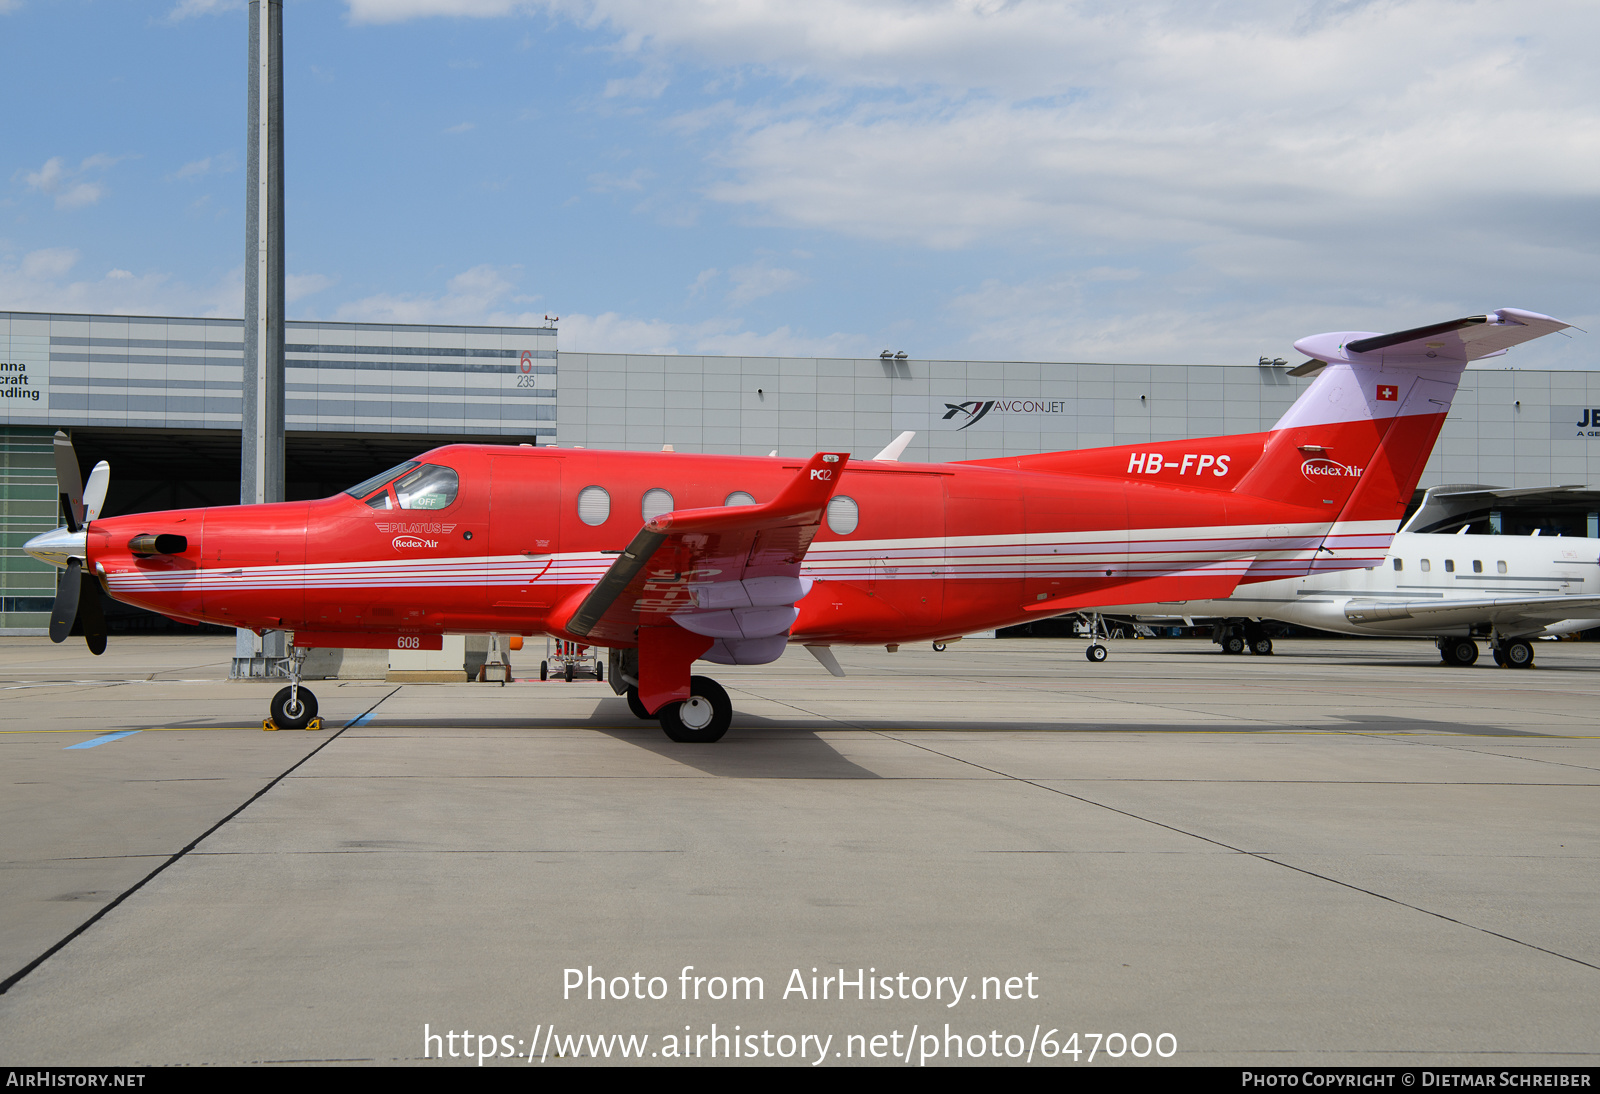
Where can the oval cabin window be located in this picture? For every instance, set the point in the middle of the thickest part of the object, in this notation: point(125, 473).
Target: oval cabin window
point(594, 505)
point(739, 497)
point(843, 515)
point(656, 501)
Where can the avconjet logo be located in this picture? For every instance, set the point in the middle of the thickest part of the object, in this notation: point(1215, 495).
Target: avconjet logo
point(975, 409)
point(1322, 468)
point(972, 408)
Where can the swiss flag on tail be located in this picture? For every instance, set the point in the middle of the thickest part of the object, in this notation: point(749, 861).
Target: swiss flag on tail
point(1388, 393)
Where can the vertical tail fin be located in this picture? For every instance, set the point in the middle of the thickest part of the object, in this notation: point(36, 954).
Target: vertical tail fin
point(1356, 441)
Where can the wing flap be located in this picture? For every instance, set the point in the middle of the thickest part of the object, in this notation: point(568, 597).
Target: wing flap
point(1497, 610)
point(715, 560)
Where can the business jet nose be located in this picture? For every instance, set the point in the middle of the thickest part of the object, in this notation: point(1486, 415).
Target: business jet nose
point(55, 547)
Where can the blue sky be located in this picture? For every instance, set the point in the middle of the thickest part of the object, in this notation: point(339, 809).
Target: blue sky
point(970, 178)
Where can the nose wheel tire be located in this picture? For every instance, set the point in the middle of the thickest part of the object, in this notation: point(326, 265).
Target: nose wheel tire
point(1096, 653)
point(703, 717)
point(295, 716)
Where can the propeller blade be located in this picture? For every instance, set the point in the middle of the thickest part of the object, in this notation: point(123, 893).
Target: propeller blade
point(69, 483)
point(94, 493)
point(92, 613)
point(65, 609)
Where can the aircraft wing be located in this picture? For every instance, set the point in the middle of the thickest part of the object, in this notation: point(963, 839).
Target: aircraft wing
point(730, 573)
point(1501, 611)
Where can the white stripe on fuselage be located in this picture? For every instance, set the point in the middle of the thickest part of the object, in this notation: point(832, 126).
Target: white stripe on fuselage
point(1141, 552)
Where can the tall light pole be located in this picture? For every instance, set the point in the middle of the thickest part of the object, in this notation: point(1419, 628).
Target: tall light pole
point(261, 427)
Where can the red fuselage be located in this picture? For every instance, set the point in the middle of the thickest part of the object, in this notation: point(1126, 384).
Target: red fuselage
point(937, 550)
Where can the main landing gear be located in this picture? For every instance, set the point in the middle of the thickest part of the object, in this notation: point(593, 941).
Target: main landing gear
point(1459, 651)
point(700, 719)
point(1236, 636)
point(1508, 653)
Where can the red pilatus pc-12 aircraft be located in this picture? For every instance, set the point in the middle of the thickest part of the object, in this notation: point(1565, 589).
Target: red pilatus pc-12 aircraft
point(745, 555)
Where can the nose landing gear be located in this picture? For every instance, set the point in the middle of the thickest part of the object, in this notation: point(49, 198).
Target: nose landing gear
point(294, 707)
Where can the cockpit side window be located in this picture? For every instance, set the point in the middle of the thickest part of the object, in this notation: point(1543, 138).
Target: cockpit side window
point(361, 490)
point(430, 486)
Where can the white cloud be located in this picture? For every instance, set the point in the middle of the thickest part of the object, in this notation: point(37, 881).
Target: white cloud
point(79, 195)
point(221, 163)
point(603, 182)
point(1263, 164)
point(479, 295)
point(462, 127)
point(186, 9)
point(488, 295)
point(614, 333)
point(761, 279)
point(701, 281)
point(40, 282)
point(66, 184)
point(399, 11)
point(299, 286)
point(49, 264)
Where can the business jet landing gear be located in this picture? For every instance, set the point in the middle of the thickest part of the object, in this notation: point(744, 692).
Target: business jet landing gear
point(294, 707)
point(703, 717)
point(1236, 636)
point(1513, 655)
point(1459, 651)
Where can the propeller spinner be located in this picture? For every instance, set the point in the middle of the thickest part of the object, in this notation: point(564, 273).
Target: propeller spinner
point(77, 591)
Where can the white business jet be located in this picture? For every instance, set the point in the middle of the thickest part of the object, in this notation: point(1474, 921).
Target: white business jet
point(1452, 588)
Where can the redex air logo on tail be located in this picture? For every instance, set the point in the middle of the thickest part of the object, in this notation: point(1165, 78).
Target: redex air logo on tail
point(1322, 468)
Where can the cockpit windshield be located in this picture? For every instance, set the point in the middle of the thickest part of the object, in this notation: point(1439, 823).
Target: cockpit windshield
point(361, 490)
point(430, 486)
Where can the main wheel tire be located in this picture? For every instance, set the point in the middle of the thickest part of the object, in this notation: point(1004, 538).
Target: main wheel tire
point(544, 670)
point(1234, 643)
point(1500, 657)
point(599, 672)
point(569, 672)
point(1261, 647)
point(297, 717)
point(1519, 655)
point(939, 647)
point(636, 705)
point(702, 718)
point(1096, 653)
point(1463, 651)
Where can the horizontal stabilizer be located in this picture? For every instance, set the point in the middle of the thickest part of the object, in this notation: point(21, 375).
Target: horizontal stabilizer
point(1469, 339)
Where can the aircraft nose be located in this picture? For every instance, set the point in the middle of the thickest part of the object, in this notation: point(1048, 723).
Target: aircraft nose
point(56, 546)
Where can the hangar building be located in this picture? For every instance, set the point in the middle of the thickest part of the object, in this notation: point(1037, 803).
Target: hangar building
point(160, 399)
